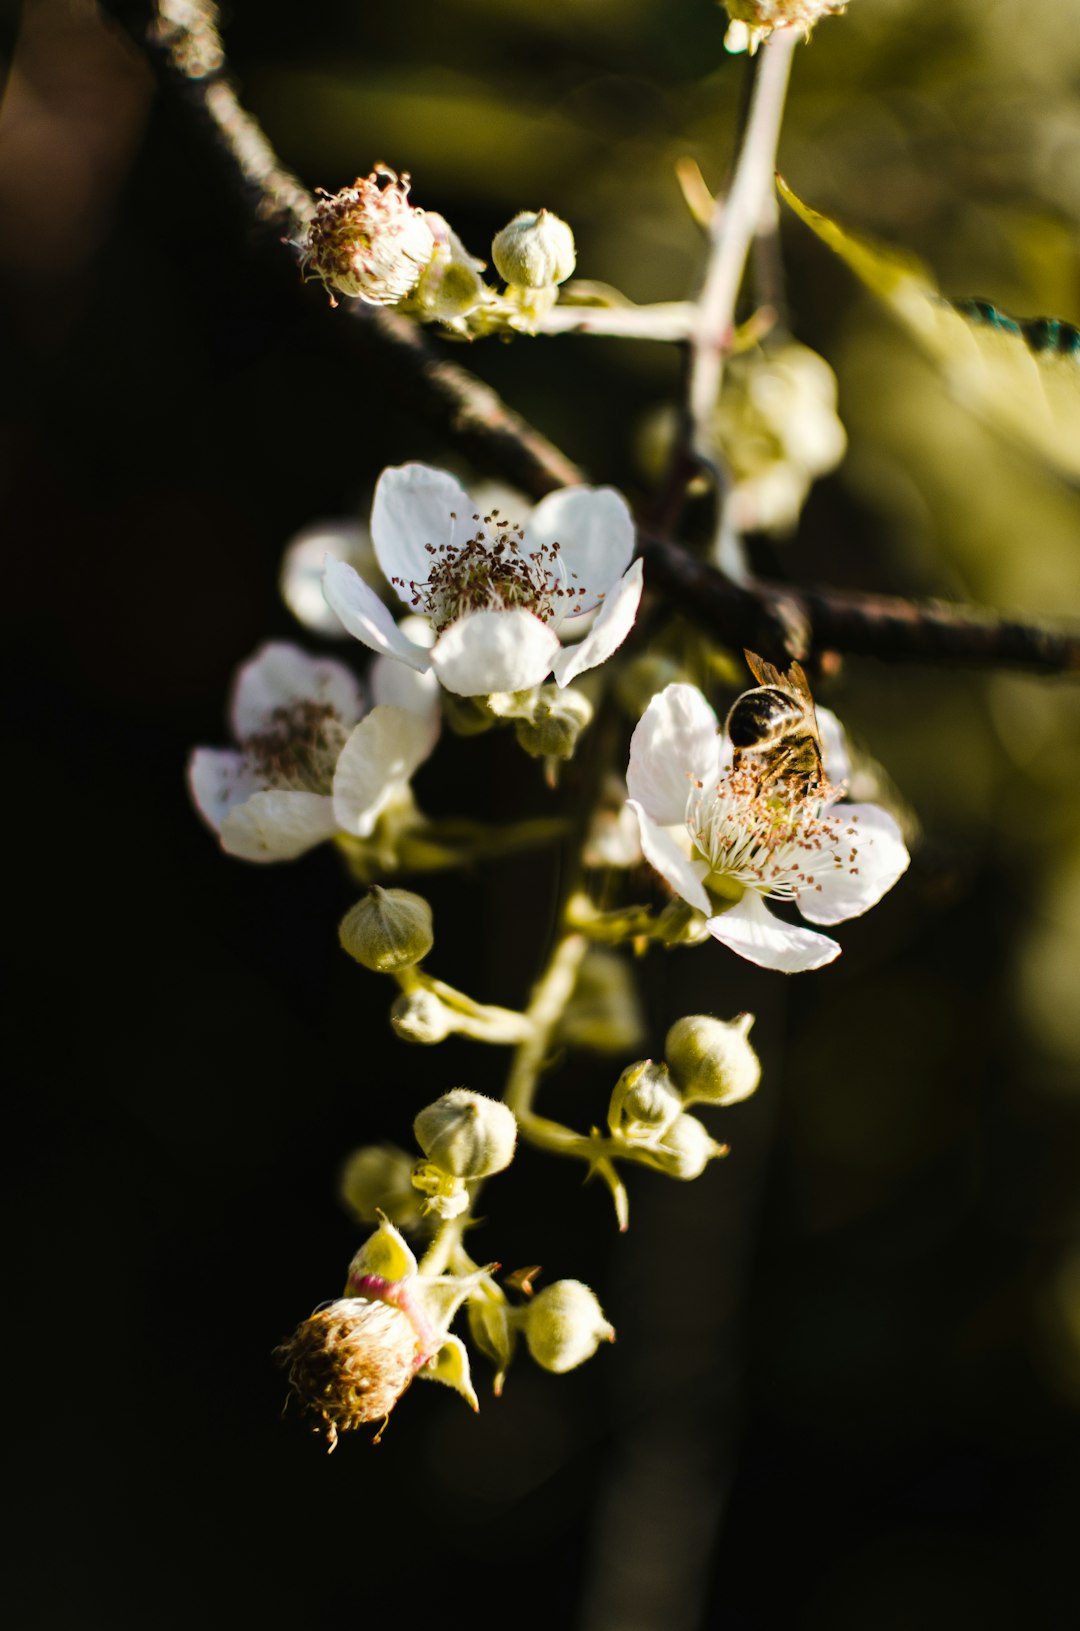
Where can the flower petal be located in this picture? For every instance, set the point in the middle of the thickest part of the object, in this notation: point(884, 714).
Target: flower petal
point(278, 677)
point(607, 634)
point(874, 856)
point(663, 848)
point(594, 530)
point(366, 618)
point(380, 755)
point(835, 759)
point(413, 508)
point(217, 779)
point(674, 743)
point(495, 651)
point(399, 687)
point(277, 825)
point(750, 929)
point(300, 577)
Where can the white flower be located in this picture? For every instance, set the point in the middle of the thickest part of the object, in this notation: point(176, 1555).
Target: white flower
point(497, 595)
point(312, 761)
point(705, 824)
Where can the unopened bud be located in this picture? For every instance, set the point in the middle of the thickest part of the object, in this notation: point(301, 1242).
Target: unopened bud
point(466, 1134)
point(421, 1016)
point(389, 929)
point(564, 1326)
point(711, 1060)
point(685, 1149)
point(378, 1178)
point(557, 720)
point(368, 241)
point(534, 251)
point(643, 1101)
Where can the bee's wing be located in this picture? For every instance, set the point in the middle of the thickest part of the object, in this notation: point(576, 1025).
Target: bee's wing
point(764, 672)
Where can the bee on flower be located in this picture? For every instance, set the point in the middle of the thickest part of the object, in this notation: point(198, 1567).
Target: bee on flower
point(728, 836)
point(497, 595)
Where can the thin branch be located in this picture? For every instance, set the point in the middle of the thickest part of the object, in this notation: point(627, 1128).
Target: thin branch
point(180, 39)
point(736, 219)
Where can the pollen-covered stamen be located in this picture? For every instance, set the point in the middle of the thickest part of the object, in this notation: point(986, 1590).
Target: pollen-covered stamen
point(299, 750)
point(493, 571)
point(782, 841)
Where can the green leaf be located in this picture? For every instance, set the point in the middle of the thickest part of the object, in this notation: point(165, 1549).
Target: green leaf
point(1020, 376)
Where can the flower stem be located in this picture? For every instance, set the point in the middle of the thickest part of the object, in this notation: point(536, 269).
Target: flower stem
point(549, 997)
point(734, 226)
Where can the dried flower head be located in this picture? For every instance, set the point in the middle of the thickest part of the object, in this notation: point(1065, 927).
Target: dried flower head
point(350, 1362)
point(368, 241)
point(752, 21)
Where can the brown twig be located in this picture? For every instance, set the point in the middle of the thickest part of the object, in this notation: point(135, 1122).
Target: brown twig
point(181, 42)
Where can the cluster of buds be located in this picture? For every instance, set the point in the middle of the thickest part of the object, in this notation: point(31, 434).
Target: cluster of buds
point(352, 1359)
point(368, 242)
point(707, 1061)
point(752, 21)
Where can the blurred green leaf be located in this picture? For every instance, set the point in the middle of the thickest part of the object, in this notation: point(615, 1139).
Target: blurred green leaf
point(1021, 377)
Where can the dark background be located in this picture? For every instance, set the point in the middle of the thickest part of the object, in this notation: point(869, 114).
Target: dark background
point(846, 1384)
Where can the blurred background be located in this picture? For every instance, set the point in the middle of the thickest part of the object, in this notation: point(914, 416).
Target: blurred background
point(846, 1387)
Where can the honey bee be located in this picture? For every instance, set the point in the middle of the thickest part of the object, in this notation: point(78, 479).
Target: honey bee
point(773, 728)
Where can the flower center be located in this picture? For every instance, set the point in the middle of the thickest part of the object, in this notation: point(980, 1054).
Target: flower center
point(299, 750)
point(780, 841)
point(491, 572)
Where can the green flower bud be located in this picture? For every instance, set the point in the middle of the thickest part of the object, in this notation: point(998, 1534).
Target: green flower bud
point(421, 1016)
point(466, 1134)
point(534, 251)
point(388, 930)
point(685, 1149)
point(564, 1326)
point(557, 720)
point(378, 1179)
point(711, 1060)
point(643, 1103)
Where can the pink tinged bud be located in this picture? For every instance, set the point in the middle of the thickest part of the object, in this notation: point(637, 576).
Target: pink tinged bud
point(368, 241)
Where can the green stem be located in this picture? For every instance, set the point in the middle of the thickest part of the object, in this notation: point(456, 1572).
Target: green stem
point(549, 997)
point(445, 1245)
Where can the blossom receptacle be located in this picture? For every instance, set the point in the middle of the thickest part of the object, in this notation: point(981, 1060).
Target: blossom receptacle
point(368, 241)
point(534, 251)
point(497, 595)
point(467, 1134)
point(711, 1060)
point(388, 930)
point(564, 1326)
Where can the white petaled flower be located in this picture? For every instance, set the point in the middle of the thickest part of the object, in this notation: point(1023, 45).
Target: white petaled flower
point(311, 760)
point(497, 595)
point(720, 839)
